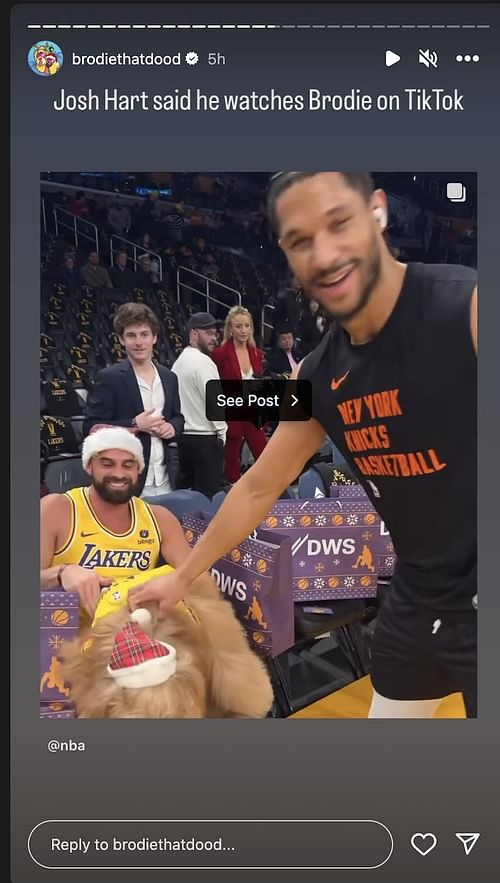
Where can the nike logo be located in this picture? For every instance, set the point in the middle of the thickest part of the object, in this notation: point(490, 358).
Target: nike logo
point(336, 383)
point(93, 534)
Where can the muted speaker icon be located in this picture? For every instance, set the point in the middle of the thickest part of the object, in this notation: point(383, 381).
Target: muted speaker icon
point(428, 57)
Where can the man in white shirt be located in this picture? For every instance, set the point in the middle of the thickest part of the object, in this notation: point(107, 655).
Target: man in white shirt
point(201, 446)
point(141, 395)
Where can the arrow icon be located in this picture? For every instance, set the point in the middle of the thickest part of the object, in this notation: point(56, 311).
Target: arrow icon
point(294, 400)
point(468, 841)
point(391, 58)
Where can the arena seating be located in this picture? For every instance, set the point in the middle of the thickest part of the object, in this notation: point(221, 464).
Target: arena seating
point(76, 341)
point(181, 502)
point(77, 337)
point(330, 651)
point(65, 472)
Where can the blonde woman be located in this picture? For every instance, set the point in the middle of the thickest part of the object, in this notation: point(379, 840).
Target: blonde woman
point(238, 358)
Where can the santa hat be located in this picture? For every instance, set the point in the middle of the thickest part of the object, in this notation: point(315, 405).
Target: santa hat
point(108, 437)
point(138, 660)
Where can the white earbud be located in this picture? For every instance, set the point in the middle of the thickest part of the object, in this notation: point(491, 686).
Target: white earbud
point(380, 216)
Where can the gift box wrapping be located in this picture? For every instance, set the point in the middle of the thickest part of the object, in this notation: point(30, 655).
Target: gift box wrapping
point(386, 557)
point(56, 710)
point(255, 576)
point(59, 621)
point(333, 555)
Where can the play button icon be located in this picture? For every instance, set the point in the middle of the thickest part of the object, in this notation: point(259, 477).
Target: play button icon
point(391, 58)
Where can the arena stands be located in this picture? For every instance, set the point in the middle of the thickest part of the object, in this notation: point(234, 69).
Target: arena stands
point(222, 254)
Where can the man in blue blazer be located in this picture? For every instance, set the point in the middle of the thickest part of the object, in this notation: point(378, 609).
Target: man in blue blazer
point(141, 396)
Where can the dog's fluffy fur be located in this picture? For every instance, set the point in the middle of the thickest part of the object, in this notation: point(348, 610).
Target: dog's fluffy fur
point(217, 675)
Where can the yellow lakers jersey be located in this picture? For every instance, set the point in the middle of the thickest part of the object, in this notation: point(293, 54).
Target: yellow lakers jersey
point(113, 555)
point(116, 595)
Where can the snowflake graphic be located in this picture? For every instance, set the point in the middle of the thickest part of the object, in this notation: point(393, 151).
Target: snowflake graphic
point(55, 642)
point(256, 584)
point(336, 562)
point(319, 567)
point(247, 560)
point(321, 520)
point(367, 535)
point(302, 563)
point(288, 521)
point(352, 519)
point(318, 583)
point(390, 560)
point(390, 547)
point(349, 581)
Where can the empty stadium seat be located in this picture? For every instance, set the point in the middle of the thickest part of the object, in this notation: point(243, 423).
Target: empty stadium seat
point(218, 499)
point(81, 374)
point(65, 472)
point(182, 501)
point(77, 425)
point(312, 485)
point(58, 434)
point(316, 481)
point(60, 399)
point(82, 394)
point(330, 651)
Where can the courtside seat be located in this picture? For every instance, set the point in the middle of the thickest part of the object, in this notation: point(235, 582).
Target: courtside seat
point(79, 374)
point(58, 434)
point(344, 612)
point(77, 425)
point(311, 485)
point(317, 479)
point(47, 373)
point(65, 472)
point(330, 651)
point(50, 370)
point(60, 399)
point(182, 502)
point(218, 499)
point(81, 394)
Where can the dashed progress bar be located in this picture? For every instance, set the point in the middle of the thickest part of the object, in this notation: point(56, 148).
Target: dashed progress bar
point(182, 27)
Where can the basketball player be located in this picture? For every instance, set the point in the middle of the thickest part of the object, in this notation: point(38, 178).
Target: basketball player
point(92, 536)
point(394, 386)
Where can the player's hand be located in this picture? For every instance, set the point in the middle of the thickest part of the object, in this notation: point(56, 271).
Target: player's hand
point(86, 583)
point(166, 591)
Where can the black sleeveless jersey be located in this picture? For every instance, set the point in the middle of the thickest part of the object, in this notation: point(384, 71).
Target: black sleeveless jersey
point(402, 411)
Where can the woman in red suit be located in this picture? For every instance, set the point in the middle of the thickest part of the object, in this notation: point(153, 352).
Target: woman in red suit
point(239, 359)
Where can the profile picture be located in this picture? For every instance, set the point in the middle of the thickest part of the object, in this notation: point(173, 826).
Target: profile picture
point(45, 58)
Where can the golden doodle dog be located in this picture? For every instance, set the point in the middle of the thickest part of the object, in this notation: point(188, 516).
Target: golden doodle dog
point(195, 663)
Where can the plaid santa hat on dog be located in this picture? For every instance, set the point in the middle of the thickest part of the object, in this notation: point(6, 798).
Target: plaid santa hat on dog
point(138, 660)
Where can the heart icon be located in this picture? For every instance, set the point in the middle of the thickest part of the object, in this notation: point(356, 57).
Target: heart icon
point(424, 843)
